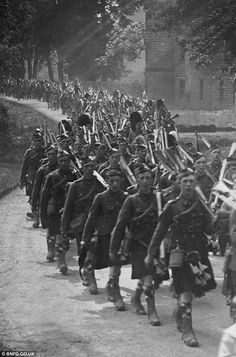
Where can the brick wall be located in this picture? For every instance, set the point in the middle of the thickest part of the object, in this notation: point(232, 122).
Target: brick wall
point(170, 75)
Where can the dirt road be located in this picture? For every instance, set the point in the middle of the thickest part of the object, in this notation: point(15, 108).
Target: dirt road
point(43, 311)
point(54, 315)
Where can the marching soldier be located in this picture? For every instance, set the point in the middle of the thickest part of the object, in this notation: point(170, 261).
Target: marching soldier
point(123, 150)
point(52, 202)
point(191, 269)
point(31, 163)
point(100, 157)
point(203, 178)
point(215, 164)
point(102, 217)
point(141, 152)
point(78, 202)
point(43, 171)
point(139, 215)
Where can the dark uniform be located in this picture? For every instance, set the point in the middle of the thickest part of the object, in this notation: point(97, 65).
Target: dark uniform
point(31, 163)
point(140, 215)
point(214, 169)
point(79, 200)
point(205, 183)
point(189, 220)
point(52, 202)
point(102, 216)
point(43, 171)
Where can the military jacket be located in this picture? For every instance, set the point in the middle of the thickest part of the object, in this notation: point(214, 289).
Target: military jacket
point(31, 163)
point(55, 190)
point(214, 169)
point(139, 214)
point(43, 171)
point(205, 183)
point(79, 200)
point(188, 221)
point(103, 213)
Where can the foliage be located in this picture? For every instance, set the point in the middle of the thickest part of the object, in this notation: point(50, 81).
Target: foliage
point(206, 27)
point(77, 31)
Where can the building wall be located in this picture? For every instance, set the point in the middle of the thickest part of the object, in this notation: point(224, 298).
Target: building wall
point(170, 75)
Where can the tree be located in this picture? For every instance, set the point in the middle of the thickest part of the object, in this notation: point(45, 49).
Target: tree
point(76, 31)
point(207, 27)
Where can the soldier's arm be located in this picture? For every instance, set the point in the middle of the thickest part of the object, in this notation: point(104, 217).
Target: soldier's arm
point(232, 227)
point(68, 208)
point(208, 223)
point(45, 196)
point(24, 168)
point(36, 189)
point(160, 231)
point(123, 221)
point(92, 220)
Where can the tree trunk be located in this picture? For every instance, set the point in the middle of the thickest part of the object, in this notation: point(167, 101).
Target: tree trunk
point(35, 67)
point(50, 71)
point(60, 67)
point(29, 67)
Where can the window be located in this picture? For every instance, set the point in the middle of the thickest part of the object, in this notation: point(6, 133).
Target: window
point(181, 88)
point(201, 89)
point(221, 90)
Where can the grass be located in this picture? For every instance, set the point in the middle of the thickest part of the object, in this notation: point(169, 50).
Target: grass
point(22, 122)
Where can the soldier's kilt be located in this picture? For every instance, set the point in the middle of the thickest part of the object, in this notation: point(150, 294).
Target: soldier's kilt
point(184, 280)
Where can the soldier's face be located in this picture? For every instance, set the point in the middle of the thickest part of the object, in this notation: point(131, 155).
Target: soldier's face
point(99, 152)
point(65, 144)
point(114, 183)
point(122, 148)
point(88, 170)
point(142, 154)
point(52, 156)
point(114, 159)
point(187, 185)
point(63, 162)
point(216, 155)
point(200, 165)
point(85, 150)
point(145, 181)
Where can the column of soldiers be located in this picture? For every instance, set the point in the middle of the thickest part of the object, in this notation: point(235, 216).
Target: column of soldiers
point(122, 185)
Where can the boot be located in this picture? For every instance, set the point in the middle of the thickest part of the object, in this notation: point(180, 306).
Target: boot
point(30, 215)
point(178, 317)
point(92, 284)
point(62, 263)
point(136, 301)
point(109, 291)
point(117, 298)
point(188, 336)
point(36, 221)
point(85, 278)
point(51, 252)
point(152, 313)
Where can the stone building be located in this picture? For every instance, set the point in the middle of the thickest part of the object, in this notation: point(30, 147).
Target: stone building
point(170, 75)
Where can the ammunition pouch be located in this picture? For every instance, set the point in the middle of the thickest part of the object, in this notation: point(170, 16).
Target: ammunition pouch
point(177, 256)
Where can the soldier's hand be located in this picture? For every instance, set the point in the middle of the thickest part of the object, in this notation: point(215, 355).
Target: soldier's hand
point(148, 261)
point(44, 222)
point(114, 258)
point(83, 245)
point(21, 185)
